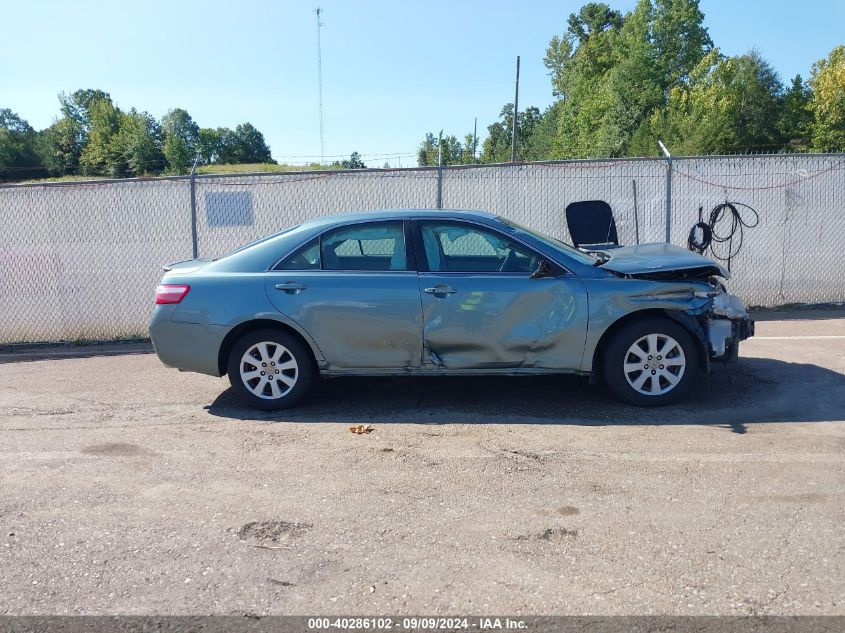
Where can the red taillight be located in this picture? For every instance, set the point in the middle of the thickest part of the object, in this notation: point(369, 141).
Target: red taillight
point(171, 293)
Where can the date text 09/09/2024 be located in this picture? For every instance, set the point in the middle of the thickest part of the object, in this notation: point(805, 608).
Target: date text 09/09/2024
point(416, 623)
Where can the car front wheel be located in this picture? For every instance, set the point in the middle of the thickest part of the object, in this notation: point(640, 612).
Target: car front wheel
point(270, 370)
point(651, 362)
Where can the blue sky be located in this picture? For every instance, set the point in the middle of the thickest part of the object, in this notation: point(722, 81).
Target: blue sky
point(392, 70)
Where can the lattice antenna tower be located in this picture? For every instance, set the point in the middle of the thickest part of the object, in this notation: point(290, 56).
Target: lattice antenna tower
point(320, 25)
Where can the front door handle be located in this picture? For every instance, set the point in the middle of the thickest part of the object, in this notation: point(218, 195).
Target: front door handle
point(291, 286)
point(441, 289)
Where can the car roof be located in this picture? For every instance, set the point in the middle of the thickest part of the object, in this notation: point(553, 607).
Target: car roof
point(387, 214)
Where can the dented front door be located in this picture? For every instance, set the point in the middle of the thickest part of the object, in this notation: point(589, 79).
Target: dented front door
point(488, 321)
point(481, 309)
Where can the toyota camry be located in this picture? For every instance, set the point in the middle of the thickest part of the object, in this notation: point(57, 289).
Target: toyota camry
point(421, 292)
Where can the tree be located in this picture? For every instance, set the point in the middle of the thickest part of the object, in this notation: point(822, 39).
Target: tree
point(679, 38)
point(540, 145)
point(827, 82)
point(209, 143)
point(730, 104)
point(592, 19)
point(94, 137)
point(470, 148)
point(180, 137)
point(102, 153)
point(60, 148)
point(354, 162)
point(244, 144)
point(251, 145)
point(446, 148)
point(427, 152)
point(77, 108)
point(18, 156)
point(579, 63)
point(611, 72)
point(796, 117)
point(497, 145)
point(139, 143)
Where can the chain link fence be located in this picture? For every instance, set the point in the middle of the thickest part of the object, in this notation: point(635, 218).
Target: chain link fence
point(81, 260)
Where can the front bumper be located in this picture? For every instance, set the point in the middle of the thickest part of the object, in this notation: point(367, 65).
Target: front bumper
point(727, 325)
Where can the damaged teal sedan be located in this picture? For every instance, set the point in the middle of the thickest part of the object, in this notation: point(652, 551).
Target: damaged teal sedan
point(425, 293)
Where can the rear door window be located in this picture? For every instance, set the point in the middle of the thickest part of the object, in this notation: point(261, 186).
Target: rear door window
point(306, 257)
point(370, 246)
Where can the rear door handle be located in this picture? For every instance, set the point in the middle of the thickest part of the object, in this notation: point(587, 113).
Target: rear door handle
point(291, 286)
point(440, 289)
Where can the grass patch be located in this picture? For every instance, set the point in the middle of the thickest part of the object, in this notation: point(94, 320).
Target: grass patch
point(270, 168)
point(35, 181)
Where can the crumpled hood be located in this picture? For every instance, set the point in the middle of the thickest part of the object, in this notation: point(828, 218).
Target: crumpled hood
point(659, 257)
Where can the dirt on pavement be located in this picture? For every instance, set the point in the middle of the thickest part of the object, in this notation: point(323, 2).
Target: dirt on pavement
point(131, 488)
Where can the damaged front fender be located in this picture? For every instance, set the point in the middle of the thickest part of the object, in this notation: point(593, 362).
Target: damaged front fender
point(717, 320)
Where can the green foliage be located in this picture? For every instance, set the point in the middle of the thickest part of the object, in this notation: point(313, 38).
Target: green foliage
point(224, 146)
point(180, 138)
point(611, 72)
point(540, 144)
point(448, 149)
point(354, 162)
point(18, 155)
point(77, 106)
point(94, 138)
point(678, 37)
point(101, 155)
point(244, 145)
point(139, 143)
point(795, 124)
point(209, 143)
point(623, 82)
point(728, 104)
point(497, 145)
point(60, 147)
point(827, 82)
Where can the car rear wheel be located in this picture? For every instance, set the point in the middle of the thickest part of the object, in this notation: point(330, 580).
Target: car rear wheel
point(651, 362)
point(270, 369)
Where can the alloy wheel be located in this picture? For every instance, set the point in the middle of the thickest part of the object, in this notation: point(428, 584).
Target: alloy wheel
point(268, 370)
point(654, 364)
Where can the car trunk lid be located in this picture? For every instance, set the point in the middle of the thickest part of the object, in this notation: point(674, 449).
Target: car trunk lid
point(187, 266)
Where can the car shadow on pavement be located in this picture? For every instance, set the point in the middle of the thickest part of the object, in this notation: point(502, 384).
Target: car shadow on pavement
point(755, 390)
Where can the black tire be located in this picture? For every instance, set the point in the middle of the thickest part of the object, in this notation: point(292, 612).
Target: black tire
point(292, 350)
point(618, 353)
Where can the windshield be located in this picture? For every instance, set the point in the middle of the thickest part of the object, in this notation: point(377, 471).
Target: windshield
point(573, 252)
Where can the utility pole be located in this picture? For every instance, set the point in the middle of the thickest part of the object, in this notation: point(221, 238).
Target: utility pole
point(515, 113)
point(320, 25)
point(474, 138)
point(440, 170)
point(668, 221)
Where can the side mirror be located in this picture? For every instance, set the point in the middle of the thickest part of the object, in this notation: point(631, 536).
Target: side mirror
point(544, 269)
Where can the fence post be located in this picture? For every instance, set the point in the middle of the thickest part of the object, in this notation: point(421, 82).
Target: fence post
point(440, 171)
point(194, 247)
point(668, 191)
